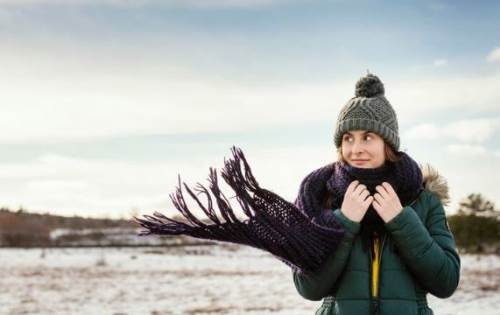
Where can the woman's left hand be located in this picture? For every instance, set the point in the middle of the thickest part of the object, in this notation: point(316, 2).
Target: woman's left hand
point(386, 202)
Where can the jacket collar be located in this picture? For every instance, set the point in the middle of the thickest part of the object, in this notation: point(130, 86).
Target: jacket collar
point(435, 183)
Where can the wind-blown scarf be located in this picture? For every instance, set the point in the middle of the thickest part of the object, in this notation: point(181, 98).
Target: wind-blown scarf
point(302, 234)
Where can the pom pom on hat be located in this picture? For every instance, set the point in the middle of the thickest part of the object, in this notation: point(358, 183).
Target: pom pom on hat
point(369, 86)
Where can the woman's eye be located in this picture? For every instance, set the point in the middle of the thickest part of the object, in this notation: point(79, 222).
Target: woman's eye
point(368, 137)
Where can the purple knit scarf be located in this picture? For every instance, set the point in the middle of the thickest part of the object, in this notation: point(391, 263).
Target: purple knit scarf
point(404, 176)
point(303, 235)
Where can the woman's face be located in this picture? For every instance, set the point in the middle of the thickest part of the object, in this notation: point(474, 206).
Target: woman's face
point(363, 149)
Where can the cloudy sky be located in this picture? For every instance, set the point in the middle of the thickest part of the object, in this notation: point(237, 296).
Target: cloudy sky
point(104, 102)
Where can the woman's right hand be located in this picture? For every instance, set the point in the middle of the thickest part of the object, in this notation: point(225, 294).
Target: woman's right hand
point(357, 199)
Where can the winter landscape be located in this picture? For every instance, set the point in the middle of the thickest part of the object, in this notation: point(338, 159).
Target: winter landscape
point(192, 280)
point(107, 105)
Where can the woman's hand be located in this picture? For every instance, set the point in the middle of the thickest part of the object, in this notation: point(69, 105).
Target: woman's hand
point(386, 202)
point(357, 199)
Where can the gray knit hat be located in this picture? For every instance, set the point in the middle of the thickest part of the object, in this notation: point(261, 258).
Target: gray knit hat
point(369, 110)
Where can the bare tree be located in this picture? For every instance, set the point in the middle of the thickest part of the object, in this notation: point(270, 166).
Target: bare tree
point(476, 204)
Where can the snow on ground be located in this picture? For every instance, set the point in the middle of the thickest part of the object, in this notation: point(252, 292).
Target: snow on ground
point(226, 280)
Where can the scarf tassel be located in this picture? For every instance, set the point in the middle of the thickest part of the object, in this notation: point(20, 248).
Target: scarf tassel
point(271, 223)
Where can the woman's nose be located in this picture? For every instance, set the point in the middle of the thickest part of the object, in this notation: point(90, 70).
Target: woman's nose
point(357, 147)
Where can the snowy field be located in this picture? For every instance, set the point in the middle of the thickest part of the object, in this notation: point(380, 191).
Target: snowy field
point(190, 280)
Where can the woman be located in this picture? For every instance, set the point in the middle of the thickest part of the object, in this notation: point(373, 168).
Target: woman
point(367, 234)
point(397, 246)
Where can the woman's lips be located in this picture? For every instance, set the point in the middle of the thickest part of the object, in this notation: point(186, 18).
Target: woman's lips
point(359, 161)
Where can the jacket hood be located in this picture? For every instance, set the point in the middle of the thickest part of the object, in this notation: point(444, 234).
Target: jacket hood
point(435, 183)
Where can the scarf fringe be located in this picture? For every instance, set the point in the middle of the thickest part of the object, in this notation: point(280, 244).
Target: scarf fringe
point(271, 224)
point(233, 175)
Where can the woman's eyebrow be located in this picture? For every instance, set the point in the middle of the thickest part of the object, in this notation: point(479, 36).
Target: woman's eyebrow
point(364, 133)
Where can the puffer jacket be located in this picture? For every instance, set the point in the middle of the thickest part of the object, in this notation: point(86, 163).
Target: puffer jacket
point(418, 256)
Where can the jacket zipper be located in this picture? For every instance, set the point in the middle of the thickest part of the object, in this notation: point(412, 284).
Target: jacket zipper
point(375, 303)
point(375, 300)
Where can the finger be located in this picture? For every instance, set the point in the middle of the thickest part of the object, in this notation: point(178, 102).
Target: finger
point(352, 186)
point(376, 206)
point(389, 188)
point(382, 191)
point(365, 193)
point(368, 201)
point(359, 189)
point(378, 197)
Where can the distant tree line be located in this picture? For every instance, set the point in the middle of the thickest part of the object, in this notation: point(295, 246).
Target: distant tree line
point(26, 229)
point(476, 225)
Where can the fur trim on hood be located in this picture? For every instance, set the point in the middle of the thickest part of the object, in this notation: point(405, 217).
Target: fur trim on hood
point(435, 183)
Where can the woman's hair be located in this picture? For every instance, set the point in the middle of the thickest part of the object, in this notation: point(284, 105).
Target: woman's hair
point(390, 155)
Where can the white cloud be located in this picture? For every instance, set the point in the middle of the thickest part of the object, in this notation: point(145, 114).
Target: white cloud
point(423, 97)
point(59, 91)
point(120, 106)
point(423, 131)
point(440, 62)
point(469, 130)
point(473, 130)
point(67, 185)
point(70, 99)
point(494, 55)
point(467, 150)
point(470, 176)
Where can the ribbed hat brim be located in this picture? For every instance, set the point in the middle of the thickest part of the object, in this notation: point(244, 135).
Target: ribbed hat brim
point(366, 124)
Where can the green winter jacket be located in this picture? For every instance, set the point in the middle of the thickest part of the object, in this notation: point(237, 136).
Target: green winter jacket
point(418, 256)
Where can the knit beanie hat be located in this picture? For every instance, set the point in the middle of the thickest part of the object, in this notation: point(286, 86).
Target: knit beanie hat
point(369, 110)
